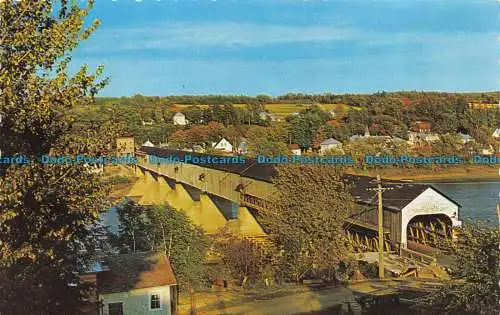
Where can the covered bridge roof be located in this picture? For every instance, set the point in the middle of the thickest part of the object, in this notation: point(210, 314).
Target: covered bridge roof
point(402, 192)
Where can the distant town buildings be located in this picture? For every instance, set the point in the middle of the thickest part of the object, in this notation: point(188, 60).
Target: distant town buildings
point(294, 148)
point(367, 135)
point(148, 122)
point(223, 145)
point(329, 145)
point(465, 138)
point(148, 144)
point(417, 138)
point(180, 119)
point(421, 126)
point(496, 133)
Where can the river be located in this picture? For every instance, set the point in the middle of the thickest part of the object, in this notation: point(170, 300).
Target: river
point(478, 199)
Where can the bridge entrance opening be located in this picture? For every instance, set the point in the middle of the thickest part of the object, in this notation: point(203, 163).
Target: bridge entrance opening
point(434, 230)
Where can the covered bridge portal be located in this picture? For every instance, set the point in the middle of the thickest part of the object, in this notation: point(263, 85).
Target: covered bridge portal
point(412, 212)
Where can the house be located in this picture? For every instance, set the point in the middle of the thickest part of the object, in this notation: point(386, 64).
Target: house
point(148, 144)
point(415, 138)
point(273, 117)
point(148, 123)
point(125, 146)
point(263, 115)
point(329, 144)
point(372, 138)
point(421, 126)
point(198, 148)
point(496, 133)
point(138, 283)
point(489, 150)
point(180, 119)
point(465, 138)
point(294, 148)
point(223, 145)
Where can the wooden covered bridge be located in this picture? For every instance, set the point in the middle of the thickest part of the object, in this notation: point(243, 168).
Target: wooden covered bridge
point(231, 194)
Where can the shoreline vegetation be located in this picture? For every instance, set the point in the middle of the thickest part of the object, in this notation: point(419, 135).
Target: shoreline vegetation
point(469, 173)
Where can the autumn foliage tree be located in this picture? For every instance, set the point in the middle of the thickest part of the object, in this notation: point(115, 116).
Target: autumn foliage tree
point(475, 271)
point(305, 219)
point(46, 211)
point(242, 259)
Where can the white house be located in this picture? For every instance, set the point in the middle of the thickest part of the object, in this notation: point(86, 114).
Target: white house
point(148, 123)
point(329, 144)
point(223, 145)
point(294, 148)
point(416, 137)
point(496, 133)
point(465, 138)
point(148, 144)
point(180, 119)
point(139, 283)
point(263, 115)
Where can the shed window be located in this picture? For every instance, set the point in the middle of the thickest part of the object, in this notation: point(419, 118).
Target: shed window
point(115, 308)
point(155, 301)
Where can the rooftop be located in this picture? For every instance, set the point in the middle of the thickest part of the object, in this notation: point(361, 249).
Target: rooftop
point(135, 271)
point(330, 141)
point(396, 199)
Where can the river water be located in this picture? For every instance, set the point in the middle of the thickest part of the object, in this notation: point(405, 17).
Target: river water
point(478, 199)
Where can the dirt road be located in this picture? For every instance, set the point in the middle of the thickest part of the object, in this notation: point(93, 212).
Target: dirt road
point(300, 300)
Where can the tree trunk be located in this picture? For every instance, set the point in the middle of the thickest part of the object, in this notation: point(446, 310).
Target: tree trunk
point(133, 241)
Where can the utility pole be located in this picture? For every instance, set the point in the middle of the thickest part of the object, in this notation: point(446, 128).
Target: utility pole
point(381, 242)
point(190, 287)
point(498, 208)
point(498, 213)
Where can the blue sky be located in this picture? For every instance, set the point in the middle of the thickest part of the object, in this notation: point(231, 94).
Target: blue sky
point(273, 47)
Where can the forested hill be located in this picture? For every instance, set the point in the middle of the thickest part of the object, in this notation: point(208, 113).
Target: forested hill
point(339, 116)
point(301, 98)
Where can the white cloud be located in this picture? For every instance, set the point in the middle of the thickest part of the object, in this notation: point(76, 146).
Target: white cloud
point(168, 35)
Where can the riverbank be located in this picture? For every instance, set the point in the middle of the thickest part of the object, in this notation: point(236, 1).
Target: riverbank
point(470, 173)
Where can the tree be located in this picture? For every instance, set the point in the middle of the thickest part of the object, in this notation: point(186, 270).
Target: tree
point(306, 218)
point(134, 230)
point(242, 258)
point(305, 125)
point(473, 288)
point(164, 229)
point(319, 137)
point(265, 141)
point(185, 243)
point(46, 211)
